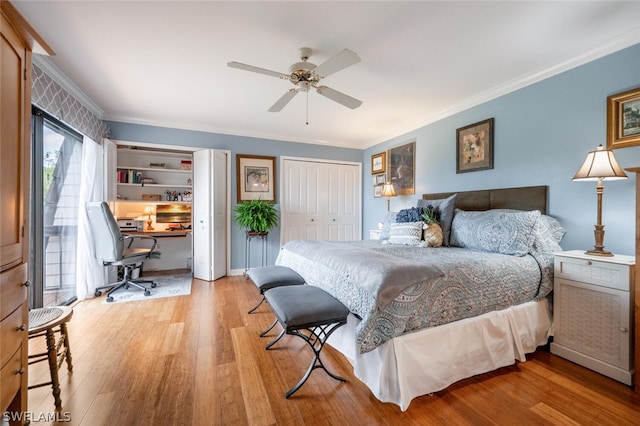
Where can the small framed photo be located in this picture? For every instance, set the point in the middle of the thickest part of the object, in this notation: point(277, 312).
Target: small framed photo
point(378, 163)
point(623, 119)
point(256, 177)
point(377, 191)
point(379, 179)
point(474, 147)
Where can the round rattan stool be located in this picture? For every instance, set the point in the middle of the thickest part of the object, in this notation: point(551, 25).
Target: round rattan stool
point(43, 322)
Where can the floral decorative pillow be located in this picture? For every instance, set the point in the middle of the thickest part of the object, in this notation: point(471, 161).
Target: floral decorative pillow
point(406, 233)
point(413, 214)
point(445, 210)
point(498, 231)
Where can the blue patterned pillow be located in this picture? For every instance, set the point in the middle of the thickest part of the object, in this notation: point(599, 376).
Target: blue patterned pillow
point(497, 231)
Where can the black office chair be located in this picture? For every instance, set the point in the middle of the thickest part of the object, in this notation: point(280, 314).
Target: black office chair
point(109, 244)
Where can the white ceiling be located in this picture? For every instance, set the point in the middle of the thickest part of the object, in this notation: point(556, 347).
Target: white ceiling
point(165, 62)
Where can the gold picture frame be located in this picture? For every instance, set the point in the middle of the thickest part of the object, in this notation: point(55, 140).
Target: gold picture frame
point(401, 168)
point(474, 147)
point(623, 119)
point(379, 163)
point(256, 177)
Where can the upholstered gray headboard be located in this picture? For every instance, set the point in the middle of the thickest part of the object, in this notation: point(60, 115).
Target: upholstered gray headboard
point(522, 198)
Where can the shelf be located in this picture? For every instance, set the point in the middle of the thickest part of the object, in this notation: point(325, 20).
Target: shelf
point(155, 185)
point(153, 169)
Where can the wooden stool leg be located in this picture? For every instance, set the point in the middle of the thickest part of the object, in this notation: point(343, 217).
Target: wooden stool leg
point(53, 367)
point(67, 348)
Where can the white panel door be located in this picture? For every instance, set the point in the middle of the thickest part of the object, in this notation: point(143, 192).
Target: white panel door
point(220, 214)
point(210, 214)
point(320, 200)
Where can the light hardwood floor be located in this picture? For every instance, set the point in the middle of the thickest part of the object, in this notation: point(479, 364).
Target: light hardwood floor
point(198, 360)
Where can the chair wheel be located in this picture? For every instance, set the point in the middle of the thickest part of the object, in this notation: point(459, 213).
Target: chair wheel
point(147, 293)
point(98, 293)
point(154, 285)
point(110, 299)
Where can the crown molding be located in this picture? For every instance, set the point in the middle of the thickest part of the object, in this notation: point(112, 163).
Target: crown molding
point(45, 64)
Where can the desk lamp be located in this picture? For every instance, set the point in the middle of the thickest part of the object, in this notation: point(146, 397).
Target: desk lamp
point(149, 210)
point(600, 165)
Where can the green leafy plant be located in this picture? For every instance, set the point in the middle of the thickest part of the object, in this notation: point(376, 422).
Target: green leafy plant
point(256, 215)
point(429, 215)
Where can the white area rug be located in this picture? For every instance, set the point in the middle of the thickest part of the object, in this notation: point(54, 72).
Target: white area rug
point(167, 286)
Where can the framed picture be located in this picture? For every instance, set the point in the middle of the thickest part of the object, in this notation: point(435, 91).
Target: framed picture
point(377, 191)
point(401, 168)
point(378, 163)
point(623, 119)
point(256, 177)
point(379, 179)
point(474, 147)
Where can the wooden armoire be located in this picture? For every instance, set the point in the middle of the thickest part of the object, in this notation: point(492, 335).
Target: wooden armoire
point(636, 308)
point(19, 40)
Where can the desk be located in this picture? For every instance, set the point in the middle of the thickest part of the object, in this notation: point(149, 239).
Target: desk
point(175, 247)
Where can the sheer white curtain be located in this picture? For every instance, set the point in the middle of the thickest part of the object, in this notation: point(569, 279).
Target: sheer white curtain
point(89, 272)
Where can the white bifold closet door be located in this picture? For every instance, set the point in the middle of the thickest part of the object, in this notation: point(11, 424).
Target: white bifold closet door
point(320, 200)
point(210, 219)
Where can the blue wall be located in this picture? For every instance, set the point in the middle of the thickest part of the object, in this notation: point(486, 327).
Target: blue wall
point(542, 135)
point(237, 145)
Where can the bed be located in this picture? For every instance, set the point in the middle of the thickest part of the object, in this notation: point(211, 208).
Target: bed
point(423, 318)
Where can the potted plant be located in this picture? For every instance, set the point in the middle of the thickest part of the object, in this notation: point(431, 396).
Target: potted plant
point(433, 232)
point(257, 216)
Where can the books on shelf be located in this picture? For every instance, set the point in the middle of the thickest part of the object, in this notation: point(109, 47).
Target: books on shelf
point(129, 176)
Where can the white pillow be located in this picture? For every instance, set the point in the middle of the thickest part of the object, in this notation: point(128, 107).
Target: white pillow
point(406, 233)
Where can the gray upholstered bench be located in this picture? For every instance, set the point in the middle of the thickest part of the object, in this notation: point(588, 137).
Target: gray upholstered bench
point(267, 277)
point(307, 308)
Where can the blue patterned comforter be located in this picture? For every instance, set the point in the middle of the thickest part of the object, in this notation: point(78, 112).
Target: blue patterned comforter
point(474, 282)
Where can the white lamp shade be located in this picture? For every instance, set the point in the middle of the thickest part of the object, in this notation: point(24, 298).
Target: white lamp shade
point(600, 164)
point(388, 191)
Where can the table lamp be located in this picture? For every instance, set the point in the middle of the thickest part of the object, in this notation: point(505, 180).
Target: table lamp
point(600, 165)
point(149, 210)
point(388, 191)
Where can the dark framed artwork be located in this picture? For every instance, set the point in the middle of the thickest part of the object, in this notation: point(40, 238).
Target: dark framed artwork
point(256, 177)
point(401, 168)
point(378, 163)
point(623, 119)
point(474, 147)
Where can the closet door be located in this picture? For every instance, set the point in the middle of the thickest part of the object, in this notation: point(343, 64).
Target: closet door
point(210, 214)
point(320, 200)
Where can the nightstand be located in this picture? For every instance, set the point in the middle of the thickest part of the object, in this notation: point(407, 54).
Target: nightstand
point(592, 309)
point(374, 234)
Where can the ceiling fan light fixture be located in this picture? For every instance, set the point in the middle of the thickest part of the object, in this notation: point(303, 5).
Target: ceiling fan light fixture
point(305, 75)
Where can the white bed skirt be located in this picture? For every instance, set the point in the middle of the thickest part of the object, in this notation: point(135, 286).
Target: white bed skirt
point(427, 361)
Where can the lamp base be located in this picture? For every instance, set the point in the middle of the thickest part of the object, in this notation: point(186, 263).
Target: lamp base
point(598, 253)
point(149, 227)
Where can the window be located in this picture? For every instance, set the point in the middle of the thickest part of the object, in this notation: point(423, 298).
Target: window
point(55, 184)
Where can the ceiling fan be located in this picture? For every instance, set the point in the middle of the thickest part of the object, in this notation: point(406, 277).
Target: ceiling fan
point(305, 75)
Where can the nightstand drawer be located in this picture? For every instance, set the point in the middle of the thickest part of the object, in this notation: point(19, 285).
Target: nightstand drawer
point(605, 274)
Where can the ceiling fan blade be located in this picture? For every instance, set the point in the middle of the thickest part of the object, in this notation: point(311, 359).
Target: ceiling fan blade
point(251, 68)
point(283, 101)
point(337, 62)
point(339, 97)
